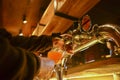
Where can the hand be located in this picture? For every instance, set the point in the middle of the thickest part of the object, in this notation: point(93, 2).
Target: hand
point(69, 46)
point(64, 43)
point(58, 43)
point(46, 68)
point(66, 35)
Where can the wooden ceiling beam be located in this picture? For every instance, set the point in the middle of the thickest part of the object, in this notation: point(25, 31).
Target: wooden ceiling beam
point(58, 24)
point(47, 16)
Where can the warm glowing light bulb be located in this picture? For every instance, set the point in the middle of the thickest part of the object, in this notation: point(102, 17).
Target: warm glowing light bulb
point(25, 21)
point(21, 34)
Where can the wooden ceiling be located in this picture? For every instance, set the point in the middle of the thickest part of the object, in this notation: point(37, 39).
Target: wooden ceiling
point(62, 16)
point(13, 11)
point(43, 18)
point(41, 14)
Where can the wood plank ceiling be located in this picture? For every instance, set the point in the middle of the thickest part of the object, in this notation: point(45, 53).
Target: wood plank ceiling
point(55, 23)
point(39, 12)
point(12, 13)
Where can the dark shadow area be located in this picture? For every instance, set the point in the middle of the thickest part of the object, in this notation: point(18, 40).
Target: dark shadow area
point(1, 21)
point(106, 11)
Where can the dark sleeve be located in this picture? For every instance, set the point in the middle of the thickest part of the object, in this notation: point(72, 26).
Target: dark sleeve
point(32, 43)
point(16, 63)
point(41, 44)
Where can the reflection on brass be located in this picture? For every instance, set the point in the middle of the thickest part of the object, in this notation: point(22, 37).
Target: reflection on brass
point(102, 34)
point(83, 40)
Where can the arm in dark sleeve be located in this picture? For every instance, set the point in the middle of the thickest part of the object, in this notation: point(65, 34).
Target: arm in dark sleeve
point(33, 43)
point(15, 63)
point(42, 43)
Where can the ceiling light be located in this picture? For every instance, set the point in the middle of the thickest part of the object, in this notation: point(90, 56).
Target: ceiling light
point(20, 32)
point(24, 19)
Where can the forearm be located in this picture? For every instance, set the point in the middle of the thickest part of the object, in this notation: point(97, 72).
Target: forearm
point(16, 63)
point(32, 43)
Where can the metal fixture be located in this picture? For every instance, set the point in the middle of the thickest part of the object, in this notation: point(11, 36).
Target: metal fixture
point(99, 34)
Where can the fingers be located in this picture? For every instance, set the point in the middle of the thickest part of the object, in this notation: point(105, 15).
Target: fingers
point(66, 35)
point(59, 43)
